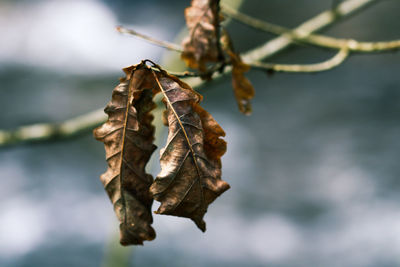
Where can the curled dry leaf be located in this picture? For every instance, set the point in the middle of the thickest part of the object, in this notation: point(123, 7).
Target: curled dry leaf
point(202, 44)
point(242, 87)
point(128, 140)
point(190, 177)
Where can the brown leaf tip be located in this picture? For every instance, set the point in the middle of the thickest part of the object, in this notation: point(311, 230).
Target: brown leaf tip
point(201, 224)
point(129, 237)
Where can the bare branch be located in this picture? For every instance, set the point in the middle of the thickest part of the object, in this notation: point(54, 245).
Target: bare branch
point(170, 46)
point(253, 22)
point(315, 39)
point(318, 67)
point(165, 44)
point(45, 131)
point(210, 71)
point(91, 120)
point(317, 23)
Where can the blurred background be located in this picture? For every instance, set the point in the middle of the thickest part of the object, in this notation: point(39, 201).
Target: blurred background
point(314, 172)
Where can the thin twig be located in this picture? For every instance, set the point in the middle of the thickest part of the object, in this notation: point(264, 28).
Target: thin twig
point(48, 130)
point(208, 73)
point(315, 39)
point(315, 24)
point(170, 46)
point(184, 74)
point(318, 67)
point(165, 44)
point(45, 131)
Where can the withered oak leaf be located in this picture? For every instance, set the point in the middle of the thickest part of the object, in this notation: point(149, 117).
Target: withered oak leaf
point(190, 177)
point(202, 46)
point(128, 140)
point(242, 87)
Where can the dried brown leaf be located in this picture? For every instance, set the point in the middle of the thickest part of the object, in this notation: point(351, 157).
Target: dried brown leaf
point(128, 141)
point(202, 44)
point(190, 177)
point(242, 87)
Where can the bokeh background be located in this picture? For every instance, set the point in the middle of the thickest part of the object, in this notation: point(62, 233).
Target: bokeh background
point(314, 172)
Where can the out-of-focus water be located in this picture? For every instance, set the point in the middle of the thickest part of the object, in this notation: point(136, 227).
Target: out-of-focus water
point(314, 171)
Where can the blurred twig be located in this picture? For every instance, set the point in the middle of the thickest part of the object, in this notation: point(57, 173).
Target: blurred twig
point(85, 123)
point(45, 131)
point(165, 44)
point(318, 67)
point(314, 39)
